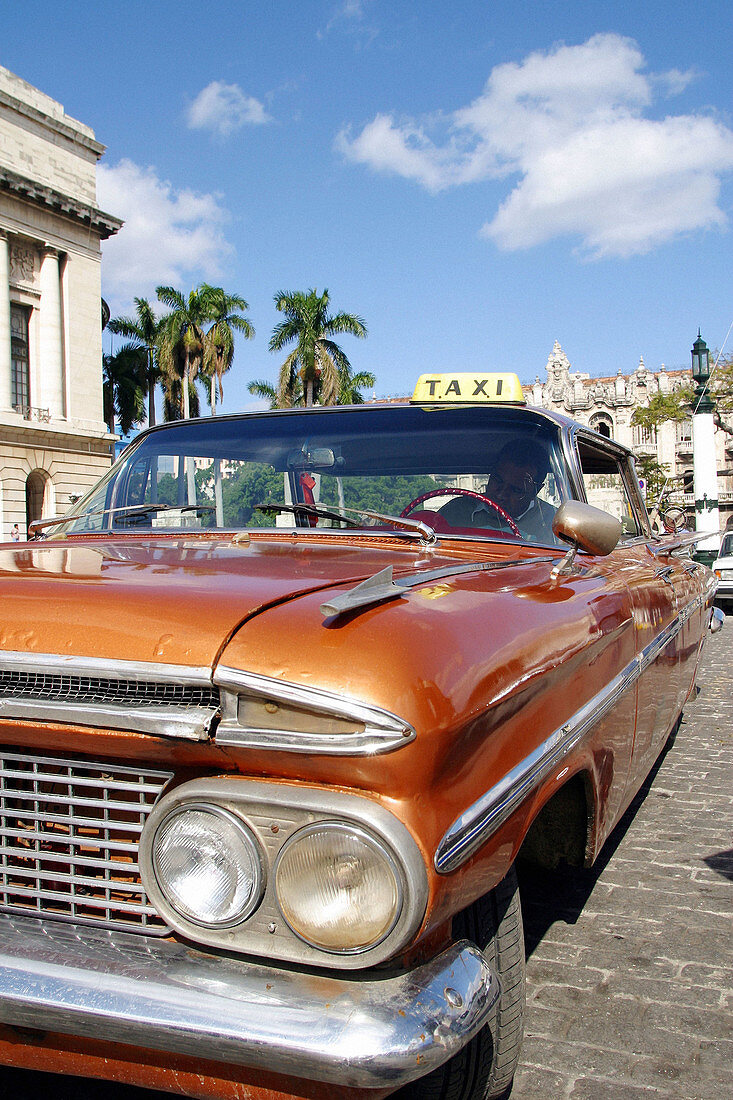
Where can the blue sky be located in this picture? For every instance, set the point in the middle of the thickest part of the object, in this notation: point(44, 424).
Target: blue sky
point(476, 179)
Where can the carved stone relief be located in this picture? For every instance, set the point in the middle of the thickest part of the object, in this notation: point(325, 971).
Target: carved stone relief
point(22, 263)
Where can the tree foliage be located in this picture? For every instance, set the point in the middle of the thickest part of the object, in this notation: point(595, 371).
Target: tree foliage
point(124, 387)
point(655, 475)
point(143, 331)
point(680, 404)
point(181, 345)
point(314, 367)
point(225, 314)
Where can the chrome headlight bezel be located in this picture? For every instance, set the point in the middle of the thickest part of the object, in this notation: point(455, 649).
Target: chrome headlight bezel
point(274, 812)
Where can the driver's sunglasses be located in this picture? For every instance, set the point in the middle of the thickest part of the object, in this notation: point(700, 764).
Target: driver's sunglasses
point(528, 486)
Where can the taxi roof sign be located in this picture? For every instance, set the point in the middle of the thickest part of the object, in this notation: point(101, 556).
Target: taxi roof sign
point(469, 388)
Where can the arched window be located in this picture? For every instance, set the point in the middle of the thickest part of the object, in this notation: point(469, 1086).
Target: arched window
point(602, 424)
point(40, 498)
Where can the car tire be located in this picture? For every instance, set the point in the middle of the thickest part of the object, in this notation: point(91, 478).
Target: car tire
point(485, 1068)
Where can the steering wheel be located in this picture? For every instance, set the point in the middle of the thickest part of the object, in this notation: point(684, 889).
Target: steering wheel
point(455, 492)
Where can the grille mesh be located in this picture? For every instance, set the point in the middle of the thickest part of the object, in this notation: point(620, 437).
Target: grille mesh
point(93, 689)
point(69, 833)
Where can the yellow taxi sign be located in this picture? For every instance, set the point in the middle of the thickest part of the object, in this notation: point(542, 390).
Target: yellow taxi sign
point(474, 388)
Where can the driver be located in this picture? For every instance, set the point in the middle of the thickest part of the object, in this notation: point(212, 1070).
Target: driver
point(518, 475)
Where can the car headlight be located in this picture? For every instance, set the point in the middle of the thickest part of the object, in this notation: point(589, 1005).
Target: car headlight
point(207, 864)
point(338, 887)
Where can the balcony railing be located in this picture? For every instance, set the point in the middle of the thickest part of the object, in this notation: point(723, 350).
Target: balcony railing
point(724, 497)
point(30, 412)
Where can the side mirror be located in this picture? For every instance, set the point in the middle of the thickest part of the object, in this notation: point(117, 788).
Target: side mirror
point(585, 528)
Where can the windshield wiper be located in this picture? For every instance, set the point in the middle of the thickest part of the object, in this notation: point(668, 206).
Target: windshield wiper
point(307, 510)
point(130, 510)
point(410, 526)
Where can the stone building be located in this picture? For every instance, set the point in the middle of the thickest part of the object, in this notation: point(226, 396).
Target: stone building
point(54, 443)
point(606, 404)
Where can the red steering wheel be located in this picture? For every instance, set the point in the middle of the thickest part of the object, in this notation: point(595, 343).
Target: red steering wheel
point(455, 492)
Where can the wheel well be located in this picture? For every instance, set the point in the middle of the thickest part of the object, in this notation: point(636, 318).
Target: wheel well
point(560, 832)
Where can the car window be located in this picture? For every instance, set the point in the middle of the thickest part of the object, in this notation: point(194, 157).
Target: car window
point(250, 472)
point(726, 545)
point(606, 483)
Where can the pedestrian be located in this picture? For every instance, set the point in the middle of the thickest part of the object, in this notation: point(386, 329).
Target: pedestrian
point(15, 533)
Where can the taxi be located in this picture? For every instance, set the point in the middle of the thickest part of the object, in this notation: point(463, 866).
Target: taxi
point(284, 701)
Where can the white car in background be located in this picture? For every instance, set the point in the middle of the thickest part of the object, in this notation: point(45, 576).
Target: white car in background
point(723, 569)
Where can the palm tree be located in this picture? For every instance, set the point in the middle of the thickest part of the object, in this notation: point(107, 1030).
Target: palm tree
point(260, 388)
point(181, 345)
point(143, 331)
point(351, 385)
point(124, 386)
point(316, 361)
point(224, 314)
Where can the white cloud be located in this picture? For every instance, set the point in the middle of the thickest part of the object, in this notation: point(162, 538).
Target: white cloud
point(170, 237)
point(223, 108)
point(351, 17)
point(573, 125)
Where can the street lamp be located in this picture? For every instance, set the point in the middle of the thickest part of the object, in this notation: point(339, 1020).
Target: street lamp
point(701, 375)
point(704, 460)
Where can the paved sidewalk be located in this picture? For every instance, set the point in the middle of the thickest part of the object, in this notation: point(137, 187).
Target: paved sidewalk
point(630, 971)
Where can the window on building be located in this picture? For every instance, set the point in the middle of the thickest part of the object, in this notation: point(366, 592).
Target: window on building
point(644, 437)
point(684, 431)
point(20, 360)
point(35, 487)
point(603, 425)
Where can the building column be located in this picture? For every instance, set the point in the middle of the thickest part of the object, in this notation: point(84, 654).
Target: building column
point(5, 353)
point(51, 374)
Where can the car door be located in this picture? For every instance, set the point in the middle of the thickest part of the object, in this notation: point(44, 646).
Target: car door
point(658, 586)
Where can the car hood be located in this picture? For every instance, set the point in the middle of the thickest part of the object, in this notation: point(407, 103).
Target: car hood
point(172, 601)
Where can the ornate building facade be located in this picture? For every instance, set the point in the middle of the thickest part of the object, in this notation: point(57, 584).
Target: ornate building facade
point(54, 443)
point(606, 404)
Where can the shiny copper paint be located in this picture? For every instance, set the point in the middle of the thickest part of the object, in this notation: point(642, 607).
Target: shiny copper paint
point(485, 666)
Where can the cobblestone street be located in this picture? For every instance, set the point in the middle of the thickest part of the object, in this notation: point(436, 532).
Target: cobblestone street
point(630, 971)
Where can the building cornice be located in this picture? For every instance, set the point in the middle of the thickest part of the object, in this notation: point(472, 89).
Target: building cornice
point(72, 130)
point(105, 225)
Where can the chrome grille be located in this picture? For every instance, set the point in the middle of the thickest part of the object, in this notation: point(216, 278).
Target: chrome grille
point(95, 689)
point(69, 834)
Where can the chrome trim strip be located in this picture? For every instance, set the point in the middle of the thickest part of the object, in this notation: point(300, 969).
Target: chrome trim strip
point(160, 995)
point(61, 664)
point(191, 724)
point(476, 824)
point(383, 731)
point(187, 722)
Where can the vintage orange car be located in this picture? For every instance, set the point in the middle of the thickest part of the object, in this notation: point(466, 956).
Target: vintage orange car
point(284, 700)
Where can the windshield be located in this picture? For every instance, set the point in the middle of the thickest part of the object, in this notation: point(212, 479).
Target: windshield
point(467, 472)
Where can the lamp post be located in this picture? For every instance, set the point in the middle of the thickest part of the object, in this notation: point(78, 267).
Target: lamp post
point(704, 463)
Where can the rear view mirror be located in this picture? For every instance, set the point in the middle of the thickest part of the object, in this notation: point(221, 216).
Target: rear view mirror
point(311, 458)
point(585, 528)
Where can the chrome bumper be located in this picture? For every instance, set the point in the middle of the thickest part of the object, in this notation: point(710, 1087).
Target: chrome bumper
point(369, 1032)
